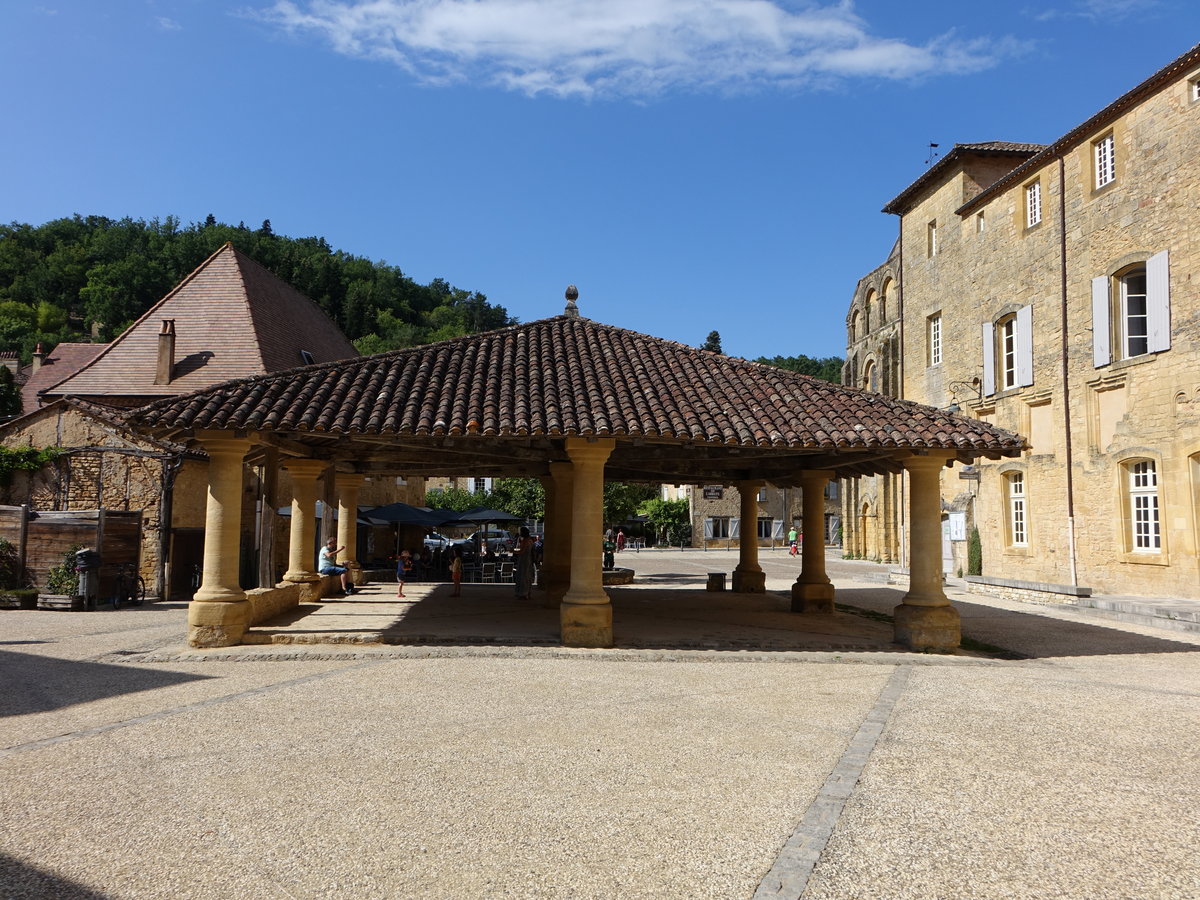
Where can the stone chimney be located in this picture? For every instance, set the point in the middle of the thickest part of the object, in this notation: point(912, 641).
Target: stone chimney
point(166, 352)
point(39, 354)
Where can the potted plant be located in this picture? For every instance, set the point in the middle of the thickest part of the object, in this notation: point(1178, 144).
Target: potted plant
point(63, 581)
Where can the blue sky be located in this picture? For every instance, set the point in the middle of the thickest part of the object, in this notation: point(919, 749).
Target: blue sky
point(690, 164)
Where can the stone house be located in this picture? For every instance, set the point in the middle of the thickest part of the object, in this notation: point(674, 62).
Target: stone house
point(230, 318)
point(716, 514)
point(1053, 291)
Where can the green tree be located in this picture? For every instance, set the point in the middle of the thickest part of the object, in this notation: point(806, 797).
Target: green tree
point(828, 368)
point(621, 501)
point(671, 518)
point(524, 497)
point(10, 394)
point(455, 498)
point(713, 342)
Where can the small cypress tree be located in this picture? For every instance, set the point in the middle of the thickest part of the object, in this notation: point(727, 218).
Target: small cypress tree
point(974, 553)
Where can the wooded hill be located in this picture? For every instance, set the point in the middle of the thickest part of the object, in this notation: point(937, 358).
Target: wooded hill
point(69, 277)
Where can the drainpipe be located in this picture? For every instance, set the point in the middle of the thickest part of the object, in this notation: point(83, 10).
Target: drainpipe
point(1066, 383)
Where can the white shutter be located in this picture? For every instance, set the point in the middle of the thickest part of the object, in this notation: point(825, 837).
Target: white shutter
point(708, 529)
point(1025, 346)
point(777, 528)
point(1101, 322)
point(735, 527)
point(1158, 303)
point(989, 359)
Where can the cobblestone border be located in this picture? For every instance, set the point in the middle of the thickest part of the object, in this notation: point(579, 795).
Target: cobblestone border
point(788, 877)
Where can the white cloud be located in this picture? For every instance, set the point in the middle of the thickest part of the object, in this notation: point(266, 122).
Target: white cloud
point(625, 47)
point(1100, 11)
point(168, 24)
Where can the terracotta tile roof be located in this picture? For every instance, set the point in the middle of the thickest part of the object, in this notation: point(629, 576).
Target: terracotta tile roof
point(233, 318)
point(571, 376)
point(63, 361)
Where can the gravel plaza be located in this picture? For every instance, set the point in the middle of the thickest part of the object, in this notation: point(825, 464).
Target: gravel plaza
point(724, 748)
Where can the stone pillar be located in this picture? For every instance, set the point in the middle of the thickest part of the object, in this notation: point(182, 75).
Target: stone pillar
point(925, 620)
point(219, 613)
point(302, 560)
point(347, 485)
point(586, 614)
point(748, 577)
point(813, 592)
point(556, 549)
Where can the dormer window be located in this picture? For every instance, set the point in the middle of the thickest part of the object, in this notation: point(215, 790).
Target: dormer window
point(307, 357)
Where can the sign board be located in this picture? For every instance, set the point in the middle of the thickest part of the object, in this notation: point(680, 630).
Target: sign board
point(713, 492)
point(958, 526)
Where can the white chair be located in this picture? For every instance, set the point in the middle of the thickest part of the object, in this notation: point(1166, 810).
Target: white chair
point(488, 574)
point(506, 571)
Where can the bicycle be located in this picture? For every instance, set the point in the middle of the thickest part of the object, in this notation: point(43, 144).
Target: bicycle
point(131, 587)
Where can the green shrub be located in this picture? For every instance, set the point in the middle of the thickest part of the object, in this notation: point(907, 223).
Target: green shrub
point(62, 579)
point(12, 573)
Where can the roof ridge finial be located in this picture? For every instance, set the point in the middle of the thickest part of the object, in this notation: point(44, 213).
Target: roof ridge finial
point(572, 311)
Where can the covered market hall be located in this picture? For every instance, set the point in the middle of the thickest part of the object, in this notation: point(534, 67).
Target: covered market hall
point(574, 403)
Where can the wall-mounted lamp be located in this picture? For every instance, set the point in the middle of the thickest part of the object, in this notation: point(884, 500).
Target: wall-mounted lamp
point(973, 388)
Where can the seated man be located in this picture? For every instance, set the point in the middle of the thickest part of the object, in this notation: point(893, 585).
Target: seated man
point(327, 565)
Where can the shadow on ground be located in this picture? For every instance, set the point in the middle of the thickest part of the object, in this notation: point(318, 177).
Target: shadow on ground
point(25, 882)
point(34, 684)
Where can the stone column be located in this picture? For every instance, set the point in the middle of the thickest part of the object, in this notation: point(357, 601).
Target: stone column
point(586, 614)
point(556, 549)
point(813, 592)
point(925, 620)
point(347, 485)
point(219, 612)
point(302, 560)
point(748, 577)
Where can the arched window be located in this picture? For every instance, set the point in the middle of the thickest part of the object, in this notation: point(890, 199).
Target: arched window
point(867, 312)
point(870, 376)
point(854, 335)
point(887, 299)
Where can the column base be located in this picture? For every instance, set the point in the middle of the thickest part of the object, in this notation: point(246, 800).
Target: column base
point(217, 624)
point(586, 624)
point(921, 628)
point(356, 572)
point(812, 598)
point(749, 582)
point(300, 577)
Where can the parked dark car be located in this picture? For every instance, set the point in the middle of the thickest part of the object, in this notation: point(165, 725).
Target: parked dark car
point(498, 541)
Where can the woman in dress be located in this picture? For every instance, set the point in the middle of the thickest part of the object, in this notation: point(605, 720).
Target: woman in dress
point(523, 573)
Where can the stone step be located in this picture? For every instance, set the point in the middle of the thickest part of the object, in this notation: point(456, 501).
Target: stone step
point(1168, 614)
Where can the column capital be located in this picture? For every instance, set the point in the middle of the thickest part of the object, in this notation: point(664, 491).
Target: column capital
point(347, 480)
point(934, 459)
point(223, 442)
point(817, 475)
point(594, 448)
point(305, 468)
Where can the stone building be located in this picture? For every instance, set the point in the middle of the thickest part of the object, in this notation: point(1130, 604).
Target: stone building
point(230, 318)
point(716, 514)
point(1053, 291)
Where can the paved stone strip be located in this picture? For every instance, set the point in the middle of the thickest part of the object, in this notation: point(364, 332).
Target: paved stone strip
point(788, 877)
point(165, 713)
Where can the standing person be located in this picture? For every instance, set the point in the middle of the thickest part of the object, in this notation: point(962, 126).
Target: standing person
point(456, 571)
point(403, 569)
point(620, 539)
point(523, 575)
point(792, 549)
point(327, 565)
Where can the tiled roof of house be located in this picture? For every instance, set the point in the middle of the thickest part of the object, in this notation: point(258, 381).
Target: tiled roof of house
point(570, 376)
point(64, 360)
point(233, 318)
point(1019, 153)
point(115, 419)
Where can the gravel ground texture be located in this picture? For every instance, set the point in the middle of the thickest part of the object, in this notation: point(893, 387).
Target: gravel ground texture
point(132, 767)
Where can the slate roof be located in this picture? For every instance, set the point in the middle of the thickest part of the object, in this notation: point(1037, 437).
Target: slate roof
point(233, 318)
point(1019, 153)
point(571, 376)
point(64, 360)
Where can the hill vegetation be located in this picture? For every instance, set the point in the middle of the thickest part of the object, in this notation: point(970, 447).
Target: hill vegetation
point(94, 276)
